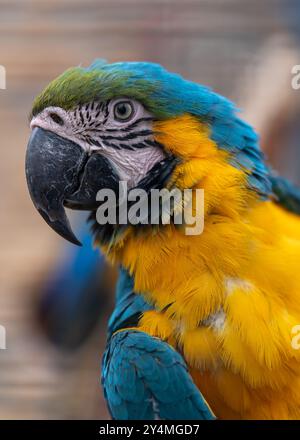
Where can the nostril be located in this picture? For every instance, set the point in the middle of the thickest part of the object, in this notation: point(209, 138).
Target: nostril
point(56, 118)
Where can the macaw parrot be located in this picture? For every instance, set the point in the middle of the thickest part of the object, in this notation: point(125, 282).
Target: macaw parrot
point(203, 324)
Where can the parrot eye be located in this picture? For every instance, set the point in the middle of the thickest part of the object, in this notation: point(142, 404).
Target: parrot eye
point(56, 118)
point(123, 111)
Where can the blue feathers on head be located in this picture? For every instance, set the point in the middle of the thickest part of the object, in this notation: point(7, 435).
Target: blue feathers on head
point(169, 95)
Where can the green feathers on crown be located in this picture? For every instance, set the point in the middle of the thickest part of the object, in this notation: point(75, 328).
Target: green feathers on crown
point(78, 86)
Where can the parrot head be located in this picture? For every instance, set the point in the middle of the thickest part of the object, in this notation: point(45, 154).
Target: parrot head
point(136, 122)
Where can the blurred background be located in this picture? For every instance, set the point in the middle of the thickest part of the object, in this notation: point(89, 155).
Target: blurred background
point(54, 303)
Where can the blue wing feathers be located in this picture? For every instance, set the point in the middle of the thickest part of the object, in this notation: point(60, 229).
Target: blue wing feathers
point(144, 378)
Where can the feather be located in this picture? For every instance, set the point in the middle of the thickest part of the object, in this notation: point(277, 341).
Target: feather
point(165, 391)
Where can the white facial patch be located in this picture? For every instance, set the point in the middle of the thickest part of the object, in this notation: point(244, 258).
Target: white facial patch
point(129, 145)
point(132, 166)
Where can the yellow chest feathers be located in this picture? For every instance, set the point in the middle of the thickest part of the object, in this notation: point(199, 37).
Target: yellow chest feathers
point(228, 299)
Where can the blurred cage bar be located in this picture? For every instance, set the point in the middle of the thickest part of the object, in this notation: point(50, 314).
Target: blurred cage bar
point(244, 50)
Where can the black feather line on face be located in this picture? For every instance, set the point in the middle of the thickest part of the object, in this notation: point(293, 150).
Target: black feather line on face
point(122, 146)
point(106, 112)
point(97, 134)
point(129, 136)
point(131, 126)
point(157, 178)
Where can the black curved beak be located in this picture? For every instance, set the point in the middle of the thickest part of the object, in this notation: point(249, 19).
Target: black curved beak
point(60, 173)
